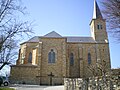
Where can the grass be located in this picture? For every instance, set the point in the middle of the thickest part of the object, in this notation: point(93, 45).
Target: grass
point(2, 88)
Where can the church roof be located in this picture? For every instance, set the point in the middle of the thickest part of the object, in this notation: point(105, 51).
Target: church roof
point(34, 39)
point(53, 34)
point(80, 39)
point(97, 12)
point(70, 39)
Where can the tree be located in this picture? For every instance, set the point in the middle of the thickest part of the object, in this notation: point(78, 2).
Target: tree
point(11, 29)
point(101, 75)
point(111, 10)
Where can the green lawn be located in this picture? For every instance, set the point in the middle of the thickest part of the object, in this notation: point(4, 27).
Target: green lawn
point(6, 88)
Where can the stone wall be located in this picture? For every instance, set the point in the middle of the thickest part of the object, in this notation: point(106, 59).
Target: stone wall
point(24, 74)
point(97, 83)
point(58, 68)
point(99, 55)
point(25, 49)
point(80, 51)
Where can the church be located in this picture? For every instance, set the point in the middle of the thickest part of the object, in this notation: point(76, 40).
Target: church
point(48, 59)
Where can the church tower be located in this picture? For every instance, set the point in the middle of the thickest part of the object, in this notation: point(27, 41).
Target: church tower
point(98, 25)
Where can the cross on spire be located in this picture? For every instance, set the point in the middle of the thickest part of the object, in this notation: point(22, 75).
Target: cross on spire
point(96, 12)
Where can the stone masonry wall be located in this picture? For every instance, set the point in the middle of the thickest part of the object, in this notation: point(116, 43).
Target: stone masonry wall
point(24, 74)
point(58, 68)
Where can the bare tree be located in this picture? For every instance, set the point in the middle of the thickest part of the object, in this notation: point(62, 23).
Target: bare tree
point(100, 71)
point(111, 10)
point(11, 29)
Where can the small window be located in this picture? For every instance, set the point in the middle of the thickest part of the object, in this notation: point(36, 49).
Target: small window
point(51, 56)
point(30, 58)
point(99, 26)
point(71, 59)
point(89, 58)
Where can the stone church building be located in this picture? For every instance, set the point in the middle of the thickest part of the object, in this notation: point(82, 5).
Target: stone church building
point(47, 59)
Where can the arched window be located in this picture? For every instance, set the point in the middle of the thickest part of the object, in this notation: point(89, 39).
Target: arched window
point(51, 56)
point(30, 58)
point(89, 58)
point(71, 59)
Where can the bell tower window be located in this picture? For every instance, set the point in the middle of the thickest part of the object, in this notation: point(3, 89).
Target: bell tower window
point(99, 27)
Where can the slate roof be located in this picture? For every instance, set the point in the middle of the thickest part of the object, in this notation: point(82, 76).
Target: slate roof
point(34, 39)
point(69, 39)
point(97, 12)
point(52, 34)
point(81, 39)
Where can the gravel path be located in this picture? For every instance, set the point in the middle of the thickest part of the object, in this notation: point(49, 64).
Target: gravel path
point(55, 88)
point(36, 87)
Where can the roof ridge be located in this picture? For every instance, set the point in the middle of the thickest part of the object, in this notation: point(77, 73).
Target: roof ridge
point(52, 34)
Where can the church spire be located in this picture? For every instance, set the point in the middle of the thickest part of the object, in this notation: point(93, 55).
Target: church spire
point(97, 12)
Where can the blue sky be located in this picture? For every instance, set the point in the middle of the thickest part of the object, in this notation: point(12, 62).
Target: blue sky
point(66, 17)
